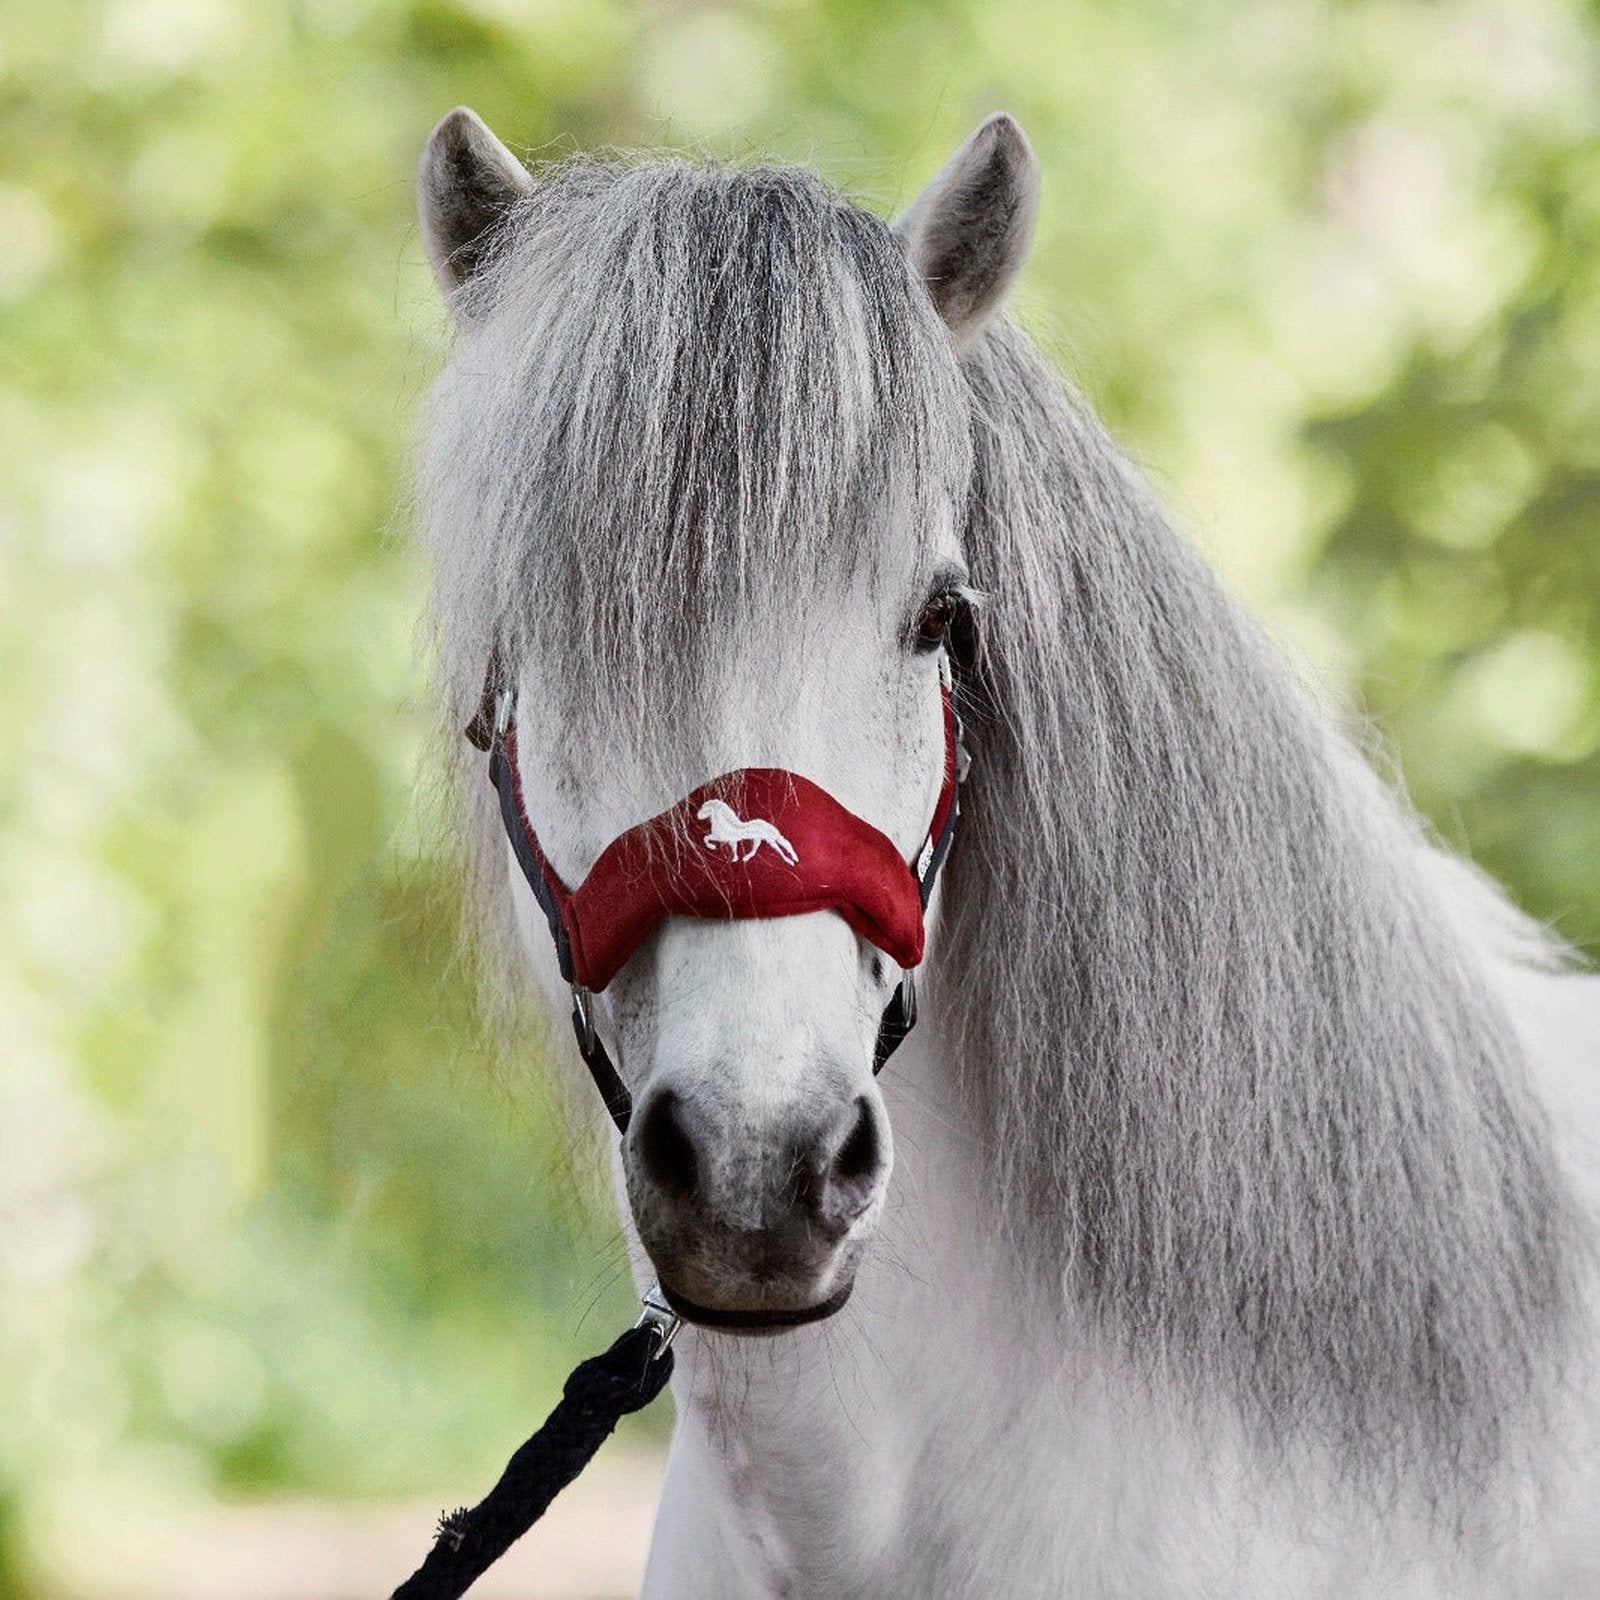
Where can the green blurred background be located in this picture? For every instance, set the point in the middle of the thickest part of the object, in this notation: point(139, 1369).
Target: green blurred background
point(272, 1224)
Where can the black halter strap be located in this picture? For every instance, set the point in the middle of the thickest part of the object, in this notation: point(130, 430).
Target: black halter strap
point(487, 732)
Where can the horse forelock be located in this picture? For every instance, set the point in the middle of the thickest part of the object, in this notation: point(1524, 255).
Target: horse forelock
point(688, 399)
point(1247, 1091)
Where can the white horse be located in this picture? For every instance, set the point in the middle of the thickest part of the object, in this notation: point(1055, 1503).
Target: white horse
point(1239, 1239)
point(730, 829)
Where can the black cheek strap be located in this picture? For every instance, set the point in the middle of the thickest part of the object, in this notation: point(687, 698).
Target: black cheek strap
point(613, 1091)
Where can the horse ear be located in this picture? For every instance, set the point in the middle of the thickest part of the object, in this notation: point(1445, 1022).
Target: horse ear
point(466, 183)
point(967, 233)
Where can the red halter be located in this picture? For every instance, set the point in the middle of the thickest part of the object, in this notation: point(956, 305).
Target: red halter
point(756, 842)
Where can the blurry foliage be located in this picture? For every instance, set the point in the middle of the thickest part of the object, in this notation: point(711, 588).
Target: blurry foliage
point(1467, 553)
point(267, 1216)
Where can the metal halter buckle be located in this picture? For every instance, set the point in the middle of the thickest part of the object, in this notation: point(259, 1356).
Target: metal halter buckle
point(583, 1010)
point(657, 1314)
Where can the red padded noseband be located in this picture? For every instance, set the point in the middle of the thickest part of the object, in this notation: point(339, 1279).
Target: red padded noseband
point(757, 842)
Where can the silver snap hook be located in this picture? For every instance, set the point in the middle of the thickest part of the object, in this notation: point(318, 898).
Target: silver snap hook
point(583, 1010)
point(658, 1315)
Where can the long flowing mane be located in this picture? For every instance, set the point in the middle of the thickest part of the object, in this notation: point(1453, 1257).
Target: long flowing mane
point(1251, 1109)
point(1248, 1091)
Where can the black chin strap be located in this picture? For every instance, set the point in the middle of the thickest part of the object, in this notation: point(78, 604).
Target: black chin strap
point(487, 732)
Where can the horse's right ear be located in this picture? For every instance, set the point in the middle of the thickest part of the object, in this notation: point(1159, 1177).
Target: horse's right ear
point(466, 183)
point(966, 234)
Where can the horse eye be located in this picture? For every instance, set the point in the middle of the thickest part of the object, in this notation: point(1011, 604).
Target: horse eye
point(938, 617)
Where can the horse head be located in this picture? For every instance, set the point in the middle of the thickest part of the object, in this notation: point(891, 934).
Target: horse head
point(764, 578)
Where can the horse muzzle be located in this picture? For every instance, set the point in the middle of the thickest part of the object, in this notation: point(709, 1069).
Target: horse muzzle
point(756, 1232)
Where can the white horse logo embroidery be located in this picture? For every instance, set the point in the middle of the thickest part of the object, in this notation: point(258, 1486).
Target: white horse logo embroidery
point(730, 829)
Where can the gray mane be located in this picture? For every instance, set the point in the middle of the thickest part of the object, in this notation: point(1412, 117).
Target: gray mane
point(1245, 1083)
point(1246, 1095)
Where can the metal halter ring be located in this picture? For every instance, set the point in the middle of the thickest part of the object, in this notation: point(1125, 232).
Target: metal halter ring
point(658, 1315)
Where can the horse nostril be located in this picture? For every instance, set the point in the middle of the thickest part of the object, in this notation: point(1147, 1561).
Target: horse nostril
point(664, 1147)
point(857, 1157)
point(853, 1173)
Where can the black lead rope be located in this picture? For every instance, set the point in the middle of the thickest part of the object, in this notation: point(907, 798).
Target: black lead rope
point(600, 1392)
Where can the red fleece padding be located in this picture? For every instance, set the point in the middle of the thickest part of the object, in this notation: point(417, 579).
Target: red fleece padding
point(736, 864)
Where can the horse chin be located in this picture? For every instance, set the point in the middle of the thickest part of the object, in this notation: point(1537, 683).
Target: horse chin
point(756, 1322)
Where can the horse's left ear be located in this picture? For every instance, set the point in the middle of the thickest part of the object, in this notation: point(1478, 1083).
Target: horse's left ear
point(466, 183)
point(968, 232)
